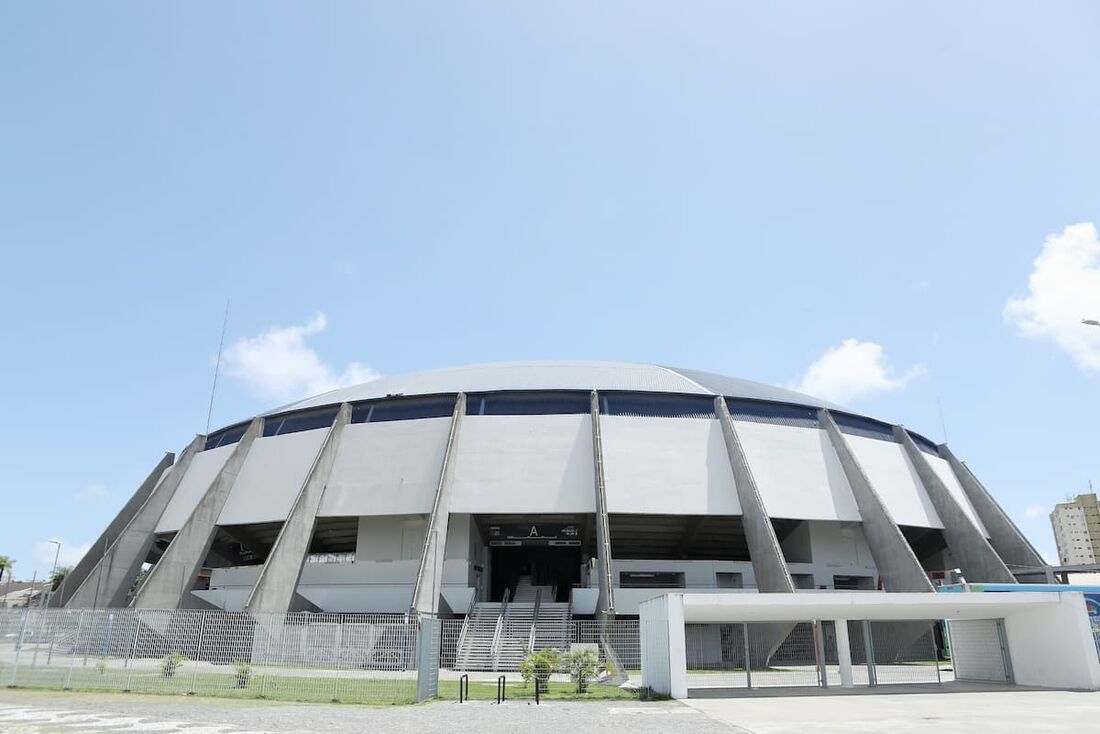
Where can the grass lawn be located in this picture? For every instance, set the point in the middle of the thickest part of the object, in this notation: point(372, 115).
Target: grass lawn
point(516, 690)
point(379, 691)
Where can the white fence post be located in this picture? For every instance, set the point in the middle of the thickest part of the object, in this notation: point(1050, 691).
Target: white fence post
point(748, 654)
point(869, 653)
point(19, 645)
point(198, 653)
point(844, 653)
point(77, 640)
point(819, 645)
point(135, 620)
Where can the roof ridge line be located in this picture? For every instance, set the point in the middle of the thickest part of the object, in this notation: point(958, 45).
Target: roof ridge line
point(682, 376)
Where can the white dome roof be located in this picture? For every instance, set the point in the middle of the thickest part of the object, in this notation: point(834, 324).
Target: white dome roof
point(559, 375)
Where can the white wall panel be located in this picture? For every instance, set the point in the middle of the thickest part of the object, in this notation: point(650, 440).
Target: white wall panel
point(388, 468)
point(839, 548)
point(797, 472)
point(947, 476)
point(204, 466)
point(271, 477)
point(676, 466)
point(524, 463)
point(390, 539)
point(896, 482)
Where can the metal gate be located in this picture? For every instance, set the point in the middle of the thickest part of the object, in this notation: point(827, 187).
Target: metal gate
point(805, 654)
point(754, 655)
point(979, 650)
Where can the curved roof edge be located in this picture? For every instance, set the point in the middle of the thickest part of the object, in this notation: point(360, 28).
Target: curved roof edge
point(738, 388)
point(558, 375)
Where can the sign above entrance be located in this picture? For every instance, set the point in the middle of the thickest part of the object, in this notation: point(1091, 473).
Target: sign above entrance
point(534, 534)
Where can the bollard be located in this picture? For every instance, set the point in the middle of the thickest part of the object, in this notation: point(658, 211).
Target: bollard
point(502, 685)
point(464, 681)
point(538, 687)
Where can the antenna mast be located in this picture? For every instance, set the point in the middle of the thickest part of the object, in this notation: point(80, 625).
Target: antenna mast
point(217, 366)
point(943, 423)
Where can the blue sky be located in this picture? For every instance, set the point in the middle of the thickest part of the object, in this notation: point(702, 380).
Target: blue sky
point(841, 196)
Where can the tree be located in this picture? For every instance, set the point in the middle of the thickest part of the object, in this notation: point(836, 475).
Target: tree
point(6, 563)
point(138, 581)
point(58, 577)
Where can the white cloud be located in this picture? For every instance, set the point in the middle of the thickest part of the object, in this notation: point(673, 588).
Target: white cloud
point(1063, 288)
point(44, 552)
point(91, 493)
point(279, 364)
point(854, 370)
point(1034, 511)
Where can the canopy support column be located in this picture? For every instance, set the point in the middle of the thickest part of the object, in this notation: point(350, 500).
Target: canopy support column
point(170, 581)
point(429, 575)
point(276, 588)
point(1011, 545)
point(605, 606)
point(976, 558)
point(107, 583)
point(897, 565)
point(768, 564)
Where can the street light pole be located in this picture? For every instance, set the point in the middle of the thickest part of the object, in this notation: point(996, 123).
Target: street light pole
point(53, 572)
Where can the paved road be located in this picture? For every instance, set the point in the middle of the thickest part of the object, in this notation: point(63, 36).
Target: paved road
point(961, 709)
point(941, 711)
point(29, 712)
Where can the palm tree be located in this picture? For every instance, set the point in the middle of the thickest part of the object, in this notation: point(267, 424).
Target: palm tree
point(5, 565)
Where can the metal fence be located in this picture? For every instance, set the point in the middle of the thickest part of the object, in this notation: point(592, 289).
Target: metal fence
point(365, 658)
point(805, 654)
point(393, 658)
point(621, 636)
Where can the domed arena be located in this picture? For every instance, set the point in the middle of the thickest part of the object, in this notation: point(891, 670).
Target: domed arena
point(583, 488)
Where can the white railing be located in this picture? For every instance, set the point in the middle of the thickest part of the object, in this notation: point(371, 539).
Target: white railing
point(534, 621)
point(494, 650)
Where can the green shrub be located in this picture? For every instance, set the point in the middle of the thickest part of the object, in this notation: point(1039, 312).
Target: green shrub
point(244, 673)
point(539, 666)
point(170, 663)
point(582, 666)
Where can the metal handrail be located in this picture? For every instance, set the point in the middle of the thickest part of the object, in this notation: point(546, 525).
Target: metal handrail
point(498, 632)
point(534, 621)
point(462, 637)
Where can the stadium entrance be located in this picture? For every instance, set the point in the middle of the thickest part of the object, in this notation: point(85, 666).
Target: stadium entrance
point(531, 552)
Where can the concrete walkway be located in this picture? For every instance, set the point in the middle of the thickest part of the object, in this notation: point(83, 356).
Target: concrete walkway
point(955, 708)
point(49, 712)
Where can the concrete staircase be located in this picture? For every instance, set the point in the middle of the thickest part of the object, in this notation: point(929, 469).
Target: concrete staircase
point(496, 634)
point(527, 593)
point(475, 643)
point(515, 632)
point(554, 627)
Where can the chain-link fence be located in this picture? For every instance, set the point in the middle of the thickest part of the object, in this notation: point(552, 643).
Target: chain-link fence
point(365, 658)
